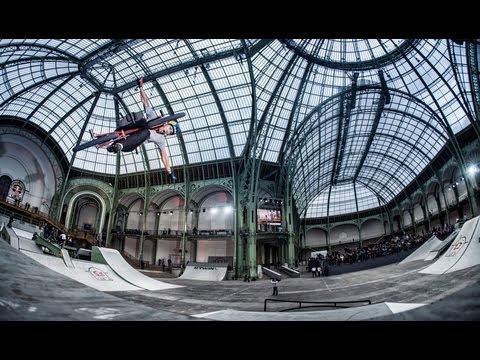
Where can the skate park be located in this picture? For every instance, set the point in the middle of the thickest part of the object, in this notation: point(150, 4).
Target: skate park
point(188, 180)
point(39, 286)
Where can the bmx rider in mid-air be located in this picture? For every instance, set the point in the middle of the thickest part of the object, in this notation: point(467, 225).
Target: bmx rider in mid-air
point(157, 136)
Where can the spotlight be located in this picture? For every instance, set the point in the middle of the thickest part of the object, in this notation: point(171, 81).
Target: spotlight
point(472, 170)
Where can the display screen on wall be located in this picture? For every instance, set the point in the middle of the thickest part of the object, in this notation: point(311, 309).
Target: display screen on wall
point(265, 216)
point(16, 191)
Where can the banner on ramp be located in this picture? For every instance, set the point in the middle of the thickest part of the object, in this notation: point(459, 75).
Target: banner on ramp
point(205, 271)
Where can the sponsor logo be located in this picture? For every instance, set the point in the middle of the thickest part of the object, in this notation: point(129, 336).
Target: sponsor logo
point(205, 268)
point(458, 245)
point(99, 274)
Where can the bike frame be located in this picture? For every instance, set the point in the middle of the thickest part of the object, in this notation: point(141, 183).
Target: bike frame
point(119, 134)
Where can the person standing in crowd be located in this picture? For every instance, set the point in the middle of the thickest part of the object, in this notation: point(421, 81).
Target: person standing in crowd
point(10, 221)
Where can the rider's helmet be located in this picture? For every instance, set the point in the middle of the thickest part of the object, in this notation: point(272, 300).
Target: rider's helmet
point(175, 126)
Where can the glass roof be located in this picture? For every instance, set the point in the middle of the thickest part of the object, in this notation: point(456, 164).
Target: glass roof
point(356, 120)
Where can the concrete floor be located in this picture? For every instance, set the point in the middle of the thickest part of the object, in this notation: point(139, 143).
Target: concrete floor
point(32, 292)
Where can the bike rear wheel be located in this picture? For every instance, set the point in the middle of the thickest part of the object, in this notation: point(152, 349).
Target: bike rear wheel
point(163, 120)
point(94, 142)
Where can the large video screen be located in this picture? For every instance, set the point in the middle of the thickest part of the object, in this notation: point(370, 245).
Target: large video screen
point(267, 216)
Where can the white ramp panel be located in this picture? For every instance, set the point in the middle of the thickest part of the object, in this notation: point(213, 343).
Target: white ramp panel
point(205, 271)
point(98, 276)
point(13, 237)
point(67, 259)
point(438, 248)
point(271, 274)
point(23, 233)
point(116, 261)
point(347, 314)
point(29, 245)
point(423, 251)
point(460, 247)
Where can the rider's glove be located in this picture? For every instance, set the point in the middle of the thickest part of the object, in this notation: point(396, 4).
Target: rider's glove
point(172, 176)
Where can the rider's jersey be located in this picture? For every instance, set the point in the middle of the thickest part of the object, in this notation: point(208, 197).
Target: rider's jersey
point(155, 137)
point(158, 139)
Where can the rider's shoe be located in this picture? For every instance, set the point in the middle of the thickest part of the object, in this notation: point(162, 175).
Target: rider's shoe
point(115, 148)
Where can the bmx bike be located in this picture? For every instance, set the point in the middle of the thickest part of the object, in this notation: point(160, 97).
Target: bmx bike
point(104, 140)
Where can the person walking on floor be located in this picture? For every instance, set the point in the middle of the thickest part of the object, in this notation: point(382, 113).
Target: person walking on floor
point(274, 281)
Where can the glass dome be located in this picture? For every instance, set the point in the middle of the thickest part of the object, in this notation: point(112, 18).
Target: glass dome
point(354, 120)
